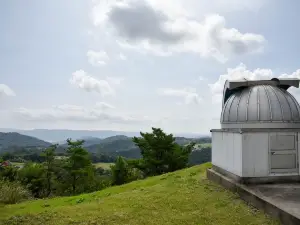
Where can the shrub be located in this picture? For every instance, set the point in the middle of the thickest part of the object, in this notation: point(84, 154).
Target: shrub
point(33, 175)
point(120, 171)
point(8, 173)
point(12, 192)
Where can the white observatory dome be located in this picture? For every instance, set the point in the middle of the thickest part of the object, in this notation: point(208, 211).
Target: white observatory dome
point(260, 104)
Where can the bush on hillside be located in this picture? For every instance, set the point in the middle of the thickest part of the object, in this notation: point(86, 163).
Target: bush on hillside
point(124, 171)
point(120, 171)
point(12, 192)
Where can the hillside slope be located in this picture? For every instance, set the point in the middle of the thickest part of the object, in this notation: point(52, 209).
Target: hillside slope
point(16, 139)
point(183, 197)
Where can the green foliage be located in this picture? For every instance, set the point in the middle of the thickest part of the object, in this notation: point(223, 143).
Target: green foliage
point(78, 163)
point(8, 173)
point(100, 157)
point(49, 155)
point(160, 153)
point(22, 154)
point(33, 175)
point(200, 156)
point(179, 158)
point(12, 192)
point(100, 150)
point(55, 171)
point(120, 172)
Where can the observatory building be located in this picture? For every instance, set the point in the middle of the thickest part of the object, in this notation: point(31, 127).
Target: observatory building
point(260, 126)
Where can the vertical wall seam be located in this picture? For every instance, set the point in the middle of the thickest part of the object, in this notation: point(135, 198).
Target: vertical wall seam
point(270, 107)
point(296, 103)
point(247, 106)
point(284, 95)
point(281, 109)
point(258, 102)
point(237, 108)
point(234, 96)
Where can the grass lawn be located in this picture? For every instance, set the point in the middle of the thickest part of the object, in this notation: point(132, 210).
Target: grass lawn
point(185, 197)
point(103, 165)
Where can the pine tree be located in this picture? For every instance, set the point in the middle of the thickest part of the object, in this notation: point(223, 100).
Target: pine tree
point(160, 153)
point(120, 171)
point(78, 162)
point(49, 154)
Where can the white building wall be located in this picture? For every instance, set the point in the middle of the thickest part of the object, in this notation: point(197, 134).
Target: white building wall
point(255, 155)
point(245, 155)
point(227, 151)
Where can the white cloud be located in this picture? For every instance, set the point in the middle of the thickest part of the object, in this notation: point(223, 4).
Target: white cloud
point(122, 56)
point(162, 29)
point(84, 81)
point(97, 58)
point(104, 106)
point(196, 8)
point(114, 80)
point(188, 94)
point(240, 72)
point(201, 78)
point(101, 112)
point(295, 74)
point(5, 90)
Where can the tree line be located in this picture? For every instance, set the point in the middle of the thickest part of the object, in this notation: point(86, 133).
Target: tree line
point(76, 173)
point(22, 155)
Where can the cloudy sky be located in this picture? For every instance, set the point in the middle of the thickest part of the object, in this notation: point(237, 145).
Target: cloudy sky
point(133, 64)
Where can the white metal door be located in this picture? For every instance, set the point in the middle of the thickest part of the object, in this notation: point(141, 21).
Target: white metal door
point(283, 153)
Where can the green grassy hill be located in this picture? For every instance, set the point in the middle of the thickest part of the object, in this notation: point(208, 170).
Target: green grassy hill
point(183, 197)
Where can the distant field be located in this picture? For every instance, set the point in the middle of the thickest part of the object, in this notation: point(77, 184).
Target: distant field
point(103, 165)
point(205, 145)
point(61, 157)
point(17, 164)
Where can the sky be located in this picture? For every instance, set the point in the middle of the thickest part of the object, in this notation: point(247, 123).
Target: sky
point(135, 64)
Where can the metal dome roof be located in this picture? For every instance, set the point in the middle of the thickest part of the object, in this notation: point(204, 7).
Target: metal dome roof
point(260, 104)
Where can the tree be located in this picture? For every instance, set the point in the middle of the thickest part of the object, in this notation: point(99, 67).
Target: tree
point(8, 173)
point(78, 163)
point(180, 157)
point(120, 171)
point(160, 153)
point(49, 154)
point(33, 176)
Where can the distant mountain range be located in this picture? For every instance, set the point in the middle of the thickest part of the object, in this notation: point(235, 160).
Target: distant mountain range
point(59, 136)
point(118, 145)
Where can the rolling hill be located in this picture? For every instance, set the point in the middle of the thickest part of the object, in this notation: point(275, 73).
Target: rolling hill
point(181, 197)
point(119, 145)
point(15, 139)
